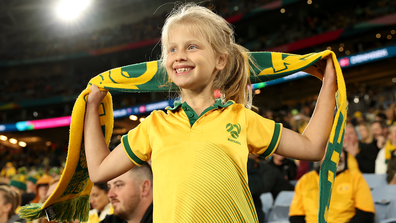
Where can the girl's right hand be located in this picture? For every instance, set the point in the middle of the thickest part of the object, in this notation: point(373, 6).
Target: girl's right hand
point(96, 96)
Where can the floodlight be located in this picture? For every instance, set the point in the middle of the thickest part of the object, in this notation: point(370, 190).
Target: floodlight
point(71, 9)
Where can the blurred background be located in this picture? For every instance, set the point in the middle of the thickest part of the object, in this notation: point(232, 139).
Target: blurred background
point(49, 50)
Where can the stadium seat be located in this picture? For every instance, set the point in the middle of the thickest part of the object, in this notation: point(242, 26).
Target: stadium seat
point(375, 180)
point(280, 211)
point(284, 198)
point(383, 197)
point(266, 201)
point(390, 214)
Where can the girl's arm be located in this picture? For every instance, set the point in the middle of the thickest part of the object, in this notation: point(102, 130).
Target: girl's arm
point(102, 165)
point(311, 144)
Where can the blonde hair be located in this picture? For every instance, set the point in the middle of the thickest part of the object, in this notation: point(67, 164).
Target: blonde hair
point(10, 197)
point(233, 81)
point(369, 138)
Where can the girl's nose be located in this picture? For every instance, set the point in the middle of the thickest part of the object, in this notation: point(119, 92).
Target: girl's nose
point(181, 56)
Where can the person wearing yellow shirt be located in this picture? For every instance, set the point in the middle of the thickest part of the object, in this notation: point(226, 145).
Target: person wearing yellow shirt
point(351, 199)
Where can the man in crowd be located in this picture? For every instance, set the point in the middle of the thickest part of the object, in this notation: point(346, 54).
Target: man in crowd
point(365, 153)
point(131, 195)
point(380, 132)
point(351, 199)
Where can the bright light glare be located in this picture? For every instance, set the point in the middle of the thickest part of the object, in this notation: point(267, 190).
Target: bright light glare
point(13, 141)
point(22, 144)
point(3, 138)
point(133, 117)
point(71, 9)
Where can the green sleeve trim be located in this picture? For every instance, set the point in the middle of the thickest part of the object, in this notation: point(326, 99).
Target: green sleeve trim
point(274, 141)
point(129, 152)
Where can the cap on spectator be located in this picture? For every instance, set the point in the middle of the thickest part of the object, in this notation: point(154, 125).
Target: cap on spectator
point(54, 171)
point(22, 170)
point(357, 114)
point(45, 179)
point(34, 177)
point(18, 181)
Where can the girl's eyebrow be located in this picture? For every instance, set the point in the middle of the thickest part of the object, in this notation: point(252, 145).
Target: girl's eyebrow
point(188, 42)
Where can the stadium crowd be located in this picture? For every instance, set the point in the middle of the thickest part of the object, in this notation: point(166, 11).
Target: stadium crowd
point(306, 24)
point(369, 145)
point(29, 176)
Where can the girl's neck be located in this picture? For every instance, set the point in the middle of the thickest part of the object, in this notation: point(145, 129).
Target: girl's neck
point(198, 102)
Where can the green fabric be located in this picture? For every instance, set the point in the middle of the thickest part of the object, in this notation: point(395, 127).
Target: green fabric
point(192, 115)
point(150, 77)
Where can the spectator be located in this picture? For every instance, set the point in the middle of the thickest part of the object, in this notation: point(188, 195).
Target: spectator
point(351, 199)
point(365, 133)
point(9, 202)
point(285, 165)
point(30, 188)
point(380, 131)
point(18, 183)
point(42, 185)
point(264, 178)
point(99, 202)
point(385, 154)
point(390, 155)
point(131, 195)
point(7, 172)
point(391, 114)
point(365, 153)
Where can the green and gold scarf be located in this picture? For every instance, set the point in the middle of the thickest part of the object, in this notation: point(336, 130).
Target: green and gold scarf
point(70, 200)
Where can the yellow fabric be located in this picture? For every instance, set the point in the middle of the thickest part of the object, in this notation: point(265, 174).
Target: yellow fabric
point(200, 171)
point(93, 214)
point(352, 163)
point(93, 218)
point(350, 191)
point(8, 171)
point(389, 148)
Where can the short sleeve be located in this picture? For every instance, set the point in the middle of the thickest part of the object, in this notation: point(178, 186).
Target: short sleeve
point(263, 134)
point(136, 143)
point(363, 199)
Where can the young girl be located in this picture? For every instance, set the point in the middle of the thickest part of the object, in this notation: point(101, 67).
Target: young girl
point(199, 148)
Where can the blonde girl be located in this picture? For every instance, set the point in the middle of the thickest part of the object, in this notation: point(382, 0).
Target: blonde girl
point(199, 148)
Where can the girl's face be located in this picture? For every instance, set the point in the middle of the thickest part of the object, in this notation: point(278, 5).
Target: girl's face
point(191, 63)
point(98, 198)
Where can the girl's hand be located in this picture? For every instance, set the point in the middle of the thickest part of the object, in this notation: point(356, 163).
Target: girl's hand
point(96, 96)
point(326, 68)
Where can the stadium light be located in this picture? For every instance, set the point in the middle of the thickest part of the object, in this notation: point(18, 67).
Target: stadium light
point(13, 141)
point(71, 9)
point(3, 138)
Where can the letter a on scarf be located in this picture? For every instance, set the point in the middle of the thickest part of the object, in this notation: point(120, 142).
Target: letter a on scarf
point(70, 200)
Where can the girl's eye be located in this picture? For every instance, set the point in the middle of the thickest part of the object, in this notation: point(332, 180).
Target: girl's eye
point(192, 47)
point(172, 50)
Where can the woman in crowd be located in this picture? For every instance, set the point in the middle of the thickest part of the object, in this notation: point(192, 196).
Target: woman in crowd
point(9, 202)
point(99, 202)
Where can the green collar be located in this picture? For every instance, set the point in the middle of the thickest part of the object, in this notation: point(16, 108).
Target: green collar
point(192, 116)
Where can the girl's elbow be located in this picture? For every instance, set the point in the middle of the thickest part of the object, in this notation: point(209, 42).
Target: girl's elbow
point(95, 178)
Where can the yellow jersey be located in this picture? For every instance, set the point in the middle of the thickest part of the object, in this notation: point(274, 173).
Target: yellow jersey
point(350, 191)
point(200, 163)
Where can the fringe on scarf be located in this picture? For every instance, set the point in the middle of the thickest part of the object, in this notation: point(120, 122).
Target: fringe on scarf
point(66, 211)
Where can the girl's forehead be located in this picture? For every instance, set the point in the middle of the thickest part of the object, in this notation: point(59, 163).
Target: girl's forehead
point(186, 32)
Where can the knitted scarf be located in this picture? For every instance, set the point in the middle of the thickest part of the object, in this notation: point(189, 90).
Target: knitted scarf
point(389, 148)
point(70, 200)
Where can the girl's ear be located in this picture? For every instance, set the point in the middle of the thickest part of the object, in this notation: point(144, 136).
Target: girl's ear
point(221, 61)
